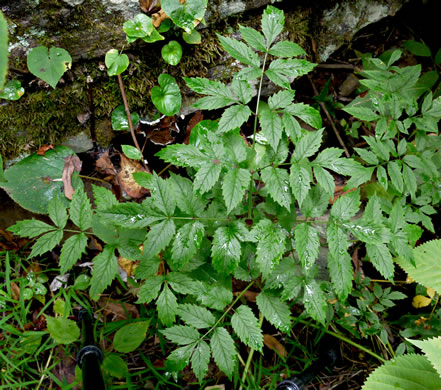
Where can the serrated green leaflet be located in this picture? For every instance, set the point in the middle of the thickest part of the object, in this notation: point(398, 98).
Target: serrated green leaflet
point(394, 171)
point(300, 181)
point(159, 237)
point(150, 289)
point(381, 258)
point(346, 206)
point(271, 124)
point(281, 99)
point(30, 228)
point(432, 350)
point(196, 316)
point(105, 267)
point(162, 194)
point(167, 306)
point(187, 242)
point(210, 87)
point(72, 250)
point(182, 283)
point(207, 176)
point(242, 90)
point(236, 145)
point(187, 201)
point(246, 326)
point(274, 310)
point(240, 51)
point(233, 117)
point(181, 335)
point(277, 181)
point(179, 358)
point(226, 249)
point(131, 215)
point(254, 38)
point(315, 301)
point(46, 243)
point(273, 21)
point(286, 49)
point(130, 336)
point(200, 359)
point(308, 145)
point(363, 113)
point(222, 348)
point(103, 198)
point(57, 212)
point(233, 187)
point(324, 179)
point(307, 245)
point(80, 210)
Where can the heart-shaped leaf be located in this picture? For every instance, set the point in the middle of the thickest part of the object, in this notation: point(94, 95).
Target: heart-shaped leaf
point(116, 63)
point(139, 27)
point(131, 152)
point(120, 120)
point(167, 97)
point(172, 53)
point(192, 38)
point(12, 90)
point(49, 65)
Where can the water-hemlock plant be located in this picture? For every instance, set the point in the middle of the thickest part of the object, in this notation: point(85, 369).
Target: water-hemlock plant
point(258, 206)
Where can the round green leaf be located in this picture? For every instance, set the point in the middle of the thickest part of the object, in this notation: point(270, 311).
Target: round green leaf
point(172, 53)
point(192, 38)
point(120, 121)
point(116, 63)
point(130, 336)
point(49, 65)
point(165, 25)
point(12, 90)
point(33, 181)
point(82, 282)
point(167, 97)
point(140, 26)
point(115, 366)
point(62, 330)
point(3, 49)
point(131, 152)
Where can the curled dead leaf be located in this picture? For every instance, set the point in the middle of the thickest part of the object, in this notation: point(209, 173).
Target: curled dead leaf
point(104, 165)
point(272, 343)
point(44, 148)
point(126, 180)
point(420, 301)
point(71, 163)
point(118, 310)
point(129, 266)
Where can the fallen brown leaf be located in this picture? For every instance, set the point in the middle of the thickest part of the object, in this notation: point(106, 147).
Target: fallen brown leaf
point(250, 296)
point(44, 148)
point(119, 310)
point(71, 164)
point(126, 180)
point(272, 343)
point(195, 119)
point(129, 266)
point(104, 165)
point(15, 291)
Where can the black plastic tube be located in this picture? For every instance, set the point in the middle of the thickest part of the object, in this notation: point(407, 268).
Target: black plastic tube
point(90, 356)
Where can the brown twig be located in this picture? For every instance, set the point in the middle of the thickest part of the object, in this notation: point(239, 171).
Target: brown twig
point(328, 115)
point(335, 66)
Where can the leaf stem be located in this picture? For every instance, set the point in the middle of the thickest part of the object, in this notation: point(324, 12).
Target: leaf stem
point(93, 178)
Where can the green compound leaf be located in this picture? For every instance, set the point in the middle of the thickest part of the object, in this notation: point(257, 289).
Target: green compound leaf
point(159, 237)
point(167, 97)
point(181, 335)
point(105, 267)
point(12, 90)
point(403, 372)
point(273, 21)
point(150, 289)
point(179, 358)
point(254, 38)
point(281, 99)
point(300, 180)
point(172, 53)
point(207, 176)
point(274, 310)
point(187, 242)
point(130, 337)
point(325, 180)
point(81, 210)
point(200, 359)
point(427, 269)
point(235, 144)
point(307, 245)
point(286, 49)
point(432, 350)
point(72, 250)
point(104, 198)
point(396, 177)
point(120, 120)
point(346, 206)
point(315, 301)
point(242, 90)
point(240, 51)
point(57, 211)
point(4, 53)
point(116, 63)
point(381, 258)
point(226, 249)
point(271, 124)
point(277, 182)
point(233, 187)
point(62, 330)
point(167, 306)
point(233, 117)
point(306, 113)
point(222, 348)
point(188, 201)
point(308, 145)
point(49, 65)
point(270, 245)
point(30, 228)
point(131, 152)
point(46, 243)
point(195, 315)
point(246, 326)
point(362, 113)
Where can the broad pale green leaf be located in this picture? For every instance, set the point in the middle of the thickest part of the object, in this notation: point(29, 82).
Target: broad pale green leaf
point(103, 197)
point(249, 73)
point(210, 87)
point(328, 156)
point(49, 65)
point(226, 249)
point(193, 38)
point(12, 90)
point(57, 212)
point(46, 243)
point(286, 49)
point(139, 27)
point(315, 301)
point(367, 156)
point(381, 259)
point(161, 191)
point(130, 336)
point(362, 113)
point(235, 144)
point(307, 245)
point(234, 185)
point(159, 237)
point(315, 203)
point(187, 242)
point(167, 306)
point(277, 182)
point(30, 228)
point(172, 53)
point(281, 99)
point(273, 21)
point(120, 119)
point(404, 372)
point(179, 358)
point(300, 181)
point(271, 124)
point(182, 283)
point(270, 245)
point(242, 90)
point(308, 145)
point(207, 176)
point(181, 335)
point(115, 366)
point(131, 152)
point(185, 15)
point(222, 348)
point(339, 260)
point(432, 350)
point(150, 289)
point(346, 206)
point(427, 269)
point(325, 180)
point(116, 63)
point(167, 97)
point(233, 117)
point(394, 170)
point(240, 51)
point(183, 155)
point(200, 359)
point(274, 310)
point(105, 267)
point(72, 250)
point(196, 316)
point(130, 215)
point(246, 326)
point(80, 210)
point(254, 38)
point(187, 200)
point(417, 48)
point(306, 113)
point(62, 330)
